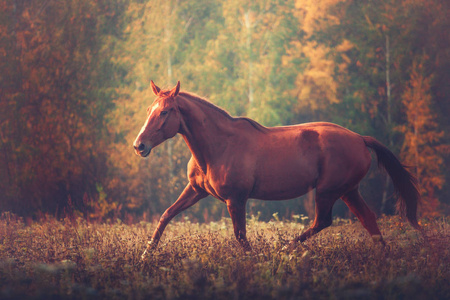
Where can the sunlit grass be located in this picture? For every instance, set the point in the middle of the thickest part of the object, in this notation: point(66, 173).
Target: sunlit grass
point(73, 260)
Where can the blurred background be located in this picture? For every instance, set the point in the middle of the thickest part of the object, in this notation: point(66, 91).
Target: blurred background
point(74, 88)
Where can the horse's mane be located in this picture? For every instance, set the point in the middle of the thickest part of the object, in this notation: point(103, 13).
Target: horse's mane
point(205, 102)
point(201, 100)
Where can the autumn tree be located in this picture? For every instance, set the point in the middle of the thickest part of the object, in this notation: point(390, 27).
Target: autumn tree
point(422, 137)
point(55, 97)
point(315, 86)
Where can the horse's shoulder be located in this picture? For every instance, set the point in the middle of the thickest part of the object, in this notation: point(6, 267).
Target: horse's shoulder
point(193, 167)
point(195, 174)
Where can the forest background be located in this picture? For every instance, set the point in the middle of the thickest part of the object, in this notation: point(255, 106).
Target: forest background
point(74, 88)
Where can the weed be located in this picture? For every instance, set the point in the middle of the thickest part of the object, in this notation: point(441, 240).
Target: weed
point(78, 260)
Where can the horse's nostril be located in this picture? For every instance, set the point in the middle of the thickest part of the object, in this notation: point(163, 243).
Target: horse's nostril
point(141, 147)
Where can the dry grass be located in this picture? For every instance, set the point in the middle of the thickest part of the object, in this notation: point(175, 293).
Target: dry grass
point(65, 260)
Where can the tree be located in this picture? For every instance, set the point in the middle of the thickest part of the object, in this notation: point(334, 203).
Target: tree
point(246, 62)
point(163, 40)
point(315, 86)
point(54, 103)
point(422, 136)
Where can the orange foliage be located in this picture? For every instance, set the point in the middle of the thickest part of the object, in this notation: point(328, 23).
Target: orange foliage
point(421, 138)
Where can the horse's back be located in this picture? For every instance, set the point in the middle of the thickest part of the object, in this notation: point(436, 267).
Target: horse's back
point(294, 159)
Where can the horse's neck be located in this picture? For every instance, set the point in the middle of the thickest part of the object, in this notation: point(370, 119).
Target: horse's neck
point(204, 129)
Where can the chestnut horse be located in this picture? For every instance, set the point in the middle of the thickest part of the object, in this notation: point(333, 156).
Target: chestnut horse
point(234, 159)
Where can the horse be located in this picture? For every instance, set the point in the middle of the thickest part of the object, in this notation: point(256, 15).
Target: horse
point(236, 158)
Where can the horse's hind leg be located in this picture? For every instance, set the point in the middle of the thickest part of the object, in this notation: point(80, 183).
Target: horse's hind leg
point(323, 217)
point(365, 215)
point(237, 213)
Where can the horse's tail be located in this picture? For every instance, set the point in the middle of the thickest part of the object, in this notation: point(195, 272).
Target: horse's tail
point(405, 183)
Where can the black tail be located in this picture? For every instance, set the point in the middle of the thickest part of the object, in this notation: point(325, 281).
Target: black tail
point(405, 183)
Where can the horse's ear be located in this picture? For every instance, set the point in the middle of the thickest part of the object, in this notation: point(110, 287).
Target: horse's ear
point(174, 92)
point(155, 89)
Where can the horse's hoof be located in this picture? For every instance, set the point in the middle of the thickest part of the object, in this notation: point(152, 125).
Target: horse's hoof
point(151, 246)
point(144, 255)
point(378, 239)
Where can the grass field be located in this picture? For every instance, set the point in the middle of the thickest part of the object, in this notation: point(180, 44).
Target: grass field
point(77, 260)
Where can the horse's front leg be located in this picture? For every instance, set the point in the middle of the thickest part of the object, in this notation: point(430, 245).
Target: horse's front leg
point(237, 213)
point(187, 198)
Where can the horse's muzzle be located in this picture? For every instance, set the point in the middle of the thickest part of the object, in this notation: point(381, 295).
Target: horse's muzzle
point(142, 150)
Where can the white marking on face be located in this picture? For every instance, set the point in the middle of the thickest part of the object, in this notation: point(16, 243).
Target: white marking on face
point(148, 119)
point(153, 109)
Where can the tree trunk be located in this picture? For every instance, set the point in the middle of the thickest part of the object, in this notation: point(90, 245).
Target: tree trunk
point(170, 142)
point(168, 40)
point(248, 26)
point(388, 121)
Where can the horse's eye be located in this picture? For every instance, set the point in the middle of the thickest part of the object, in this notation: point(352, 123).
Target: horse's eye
point(164, 112)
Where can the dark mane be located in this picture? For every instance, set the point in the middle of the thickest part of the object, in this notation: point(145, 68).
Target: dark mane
point(203, 101)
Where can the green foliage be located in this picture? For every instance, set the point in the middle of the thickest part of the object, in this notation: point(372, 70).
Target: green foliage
point(75, 259)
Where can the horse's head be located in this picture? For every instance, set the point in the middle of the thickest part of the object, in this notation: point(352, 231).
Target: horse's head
point(163, 121)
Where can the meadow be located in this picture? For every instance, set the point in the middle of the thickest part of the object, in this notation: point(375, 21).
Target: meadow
point(74, 259)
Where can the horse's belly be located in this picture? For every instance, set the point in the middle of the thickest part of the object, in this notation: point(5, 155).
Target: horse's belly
point(279, 185)
point(281, 194)
point(288, 164)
